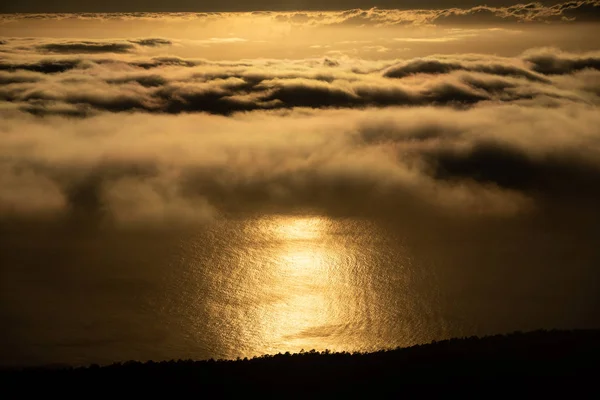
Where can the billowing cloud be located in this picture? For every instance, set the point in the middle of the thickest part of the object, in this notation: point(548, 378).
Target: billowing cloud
point(530, 12)
point(135, 168)
point(86, 85)
point(461, 133)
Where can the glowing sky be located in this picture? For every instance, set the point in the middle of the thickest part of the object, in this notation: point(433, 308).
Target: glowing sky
point(236, 5)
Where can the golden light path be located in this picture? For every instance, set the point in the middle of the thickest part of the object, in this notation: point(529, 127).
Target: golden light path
point(305, 273)
point(287, 283)
point(294, 286)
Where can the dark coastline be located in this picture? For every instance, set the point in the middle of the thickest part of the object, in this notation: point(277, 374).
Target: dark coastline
point(542, 361)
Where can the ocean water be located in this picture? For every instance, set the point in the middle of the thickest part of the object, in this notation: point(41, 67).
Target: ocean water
point(242, 287)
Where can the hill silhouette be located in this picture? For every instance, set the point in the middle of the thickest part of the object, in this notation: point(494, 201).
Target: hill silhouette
point(544, 361)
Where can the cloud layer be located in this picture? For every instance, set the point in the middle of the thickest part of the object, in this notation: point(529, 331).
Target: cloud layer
point(84, 85)
point(129, 131)
point(93, 137)
point(535, 12)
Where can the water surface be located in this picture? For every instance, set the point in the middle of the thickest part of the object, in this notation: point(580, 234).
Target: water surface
point(257, 285)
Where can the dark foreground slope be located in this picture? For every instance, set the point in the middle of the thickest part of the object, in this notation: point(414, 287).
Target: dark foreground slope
point(544, 361)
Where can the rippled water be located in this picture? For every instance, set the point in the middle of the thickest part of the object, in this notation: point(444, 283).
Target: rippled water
point(245, 287)
point(288, 283)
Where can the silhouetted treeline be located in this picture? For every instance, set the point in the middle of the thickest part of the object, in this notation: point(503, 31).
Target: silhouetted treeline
point(544, 361)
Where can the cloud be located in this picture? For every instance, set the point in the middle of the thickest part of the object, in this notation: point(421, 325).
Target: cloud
point(536, 12)
point(91, 47)
point(447, 65)
point(20, 77)
point(152, 42)
point(142, 202)
point(524, 13)
point(143, 80)
point(88, 85)
point(86, 47)
point(42, 66)
point(586, 10)
point(94, 138)
point(166, 61)
point(555, 175)
point(549, 61)
point(26, 192)
point(131, 169)
point(581, 11)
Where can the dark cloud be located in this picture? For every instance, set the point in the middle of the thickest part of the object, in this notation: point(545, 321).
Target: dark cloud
point(552, 175)
point(449, 94)
point(477, 15)
point(18, 77)
point(490, 85)
point(144, 80)
point(43, 66)
point(584, 11)
point(581, 11)
point(552, 62)
point(330, 63)
point(433, 66)
point(43, 109)
point(216, 99)
point(317, 96)
point(423, 67)
point(86, 47)
point(93, 47)
point(165, 61)
point(152, 42)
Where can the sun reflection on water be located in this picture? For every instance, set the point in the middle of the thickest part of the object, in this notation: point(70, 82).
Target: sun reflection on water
point(305, 276)
point(303, 282)
point(303, 228)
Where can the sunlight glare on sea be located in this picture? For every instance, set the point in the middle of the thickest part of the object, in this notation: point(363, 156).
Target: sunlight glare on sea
point(304, 282)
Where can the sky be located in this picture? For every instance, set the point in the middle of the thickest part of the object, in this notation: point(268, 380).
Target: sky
point(236, 5)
